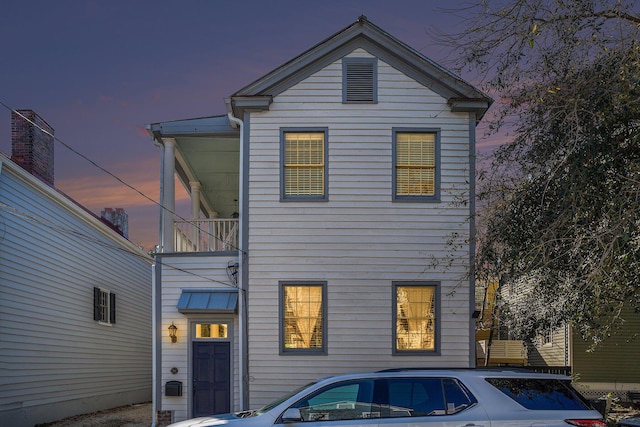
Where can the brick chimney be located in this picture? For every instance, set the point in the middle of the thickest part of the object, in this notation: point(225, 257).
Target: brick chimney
point(32, 144)
point(118, 218)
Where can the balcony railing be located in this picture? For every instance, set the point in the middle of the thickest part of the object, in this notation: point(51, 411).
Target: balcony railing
point(206, 235)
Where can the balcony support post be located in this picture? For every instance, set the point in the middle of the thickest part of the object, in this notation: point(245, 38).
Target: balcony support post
point(169, 197)
point(195, 199)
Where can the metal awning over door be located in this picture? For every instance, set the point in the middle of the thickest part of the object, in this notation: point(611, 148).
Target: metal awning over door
point(208, 301)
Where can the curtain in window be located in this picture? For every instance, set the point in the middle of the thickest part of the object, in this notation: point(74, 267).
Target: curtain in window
point(415, 326)
point(304, 163)
point(415, 164)
point(303, 316)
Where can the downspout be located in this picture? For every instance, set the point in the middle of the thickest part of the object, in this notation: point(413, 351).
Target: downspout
point(242, 320)
point(472, 241)
point(155, 362)
point(154, 352)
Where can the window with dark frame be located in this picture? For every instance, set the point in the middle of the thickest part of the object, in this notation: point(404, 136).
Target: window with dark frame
point(415, 164)
point(415, 317)
point(303, 316)
point(304, 164)
point(104, 306)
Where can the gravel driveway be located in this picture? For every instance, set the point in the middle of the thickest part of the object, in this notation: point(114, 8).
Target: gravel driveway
point(138, 415)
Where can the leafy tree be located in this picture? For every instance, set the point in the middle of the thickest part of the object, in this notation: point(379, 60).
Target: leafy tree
point(560, 201)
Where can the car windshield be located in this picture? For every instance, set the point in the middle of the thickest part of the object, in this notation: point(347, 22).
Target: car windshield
point(275, 403)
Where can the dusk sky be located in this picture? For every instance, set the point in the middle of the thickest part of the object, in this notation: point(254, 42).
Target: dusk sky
point(99, 71)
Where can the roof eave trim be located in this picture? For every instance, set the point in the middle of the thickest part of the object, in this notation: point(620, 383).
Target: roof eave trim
point(242, 104)
point(478, 105)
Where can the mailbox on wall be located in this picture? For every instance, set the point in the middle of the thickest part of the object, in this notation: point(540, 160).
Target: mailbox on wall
point(173, 388)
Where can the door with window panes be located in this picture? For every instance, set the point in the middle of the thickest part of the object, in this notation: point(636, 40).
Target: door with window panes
point(211, 370)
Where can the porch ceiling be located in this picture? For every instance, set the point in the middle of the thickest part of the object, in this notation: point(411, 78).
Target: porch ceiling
point(208, 152)
point(214, 162)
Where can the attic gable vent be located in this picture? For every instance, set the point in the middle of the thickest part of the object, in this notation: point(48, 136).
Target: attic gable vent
point(359, 80)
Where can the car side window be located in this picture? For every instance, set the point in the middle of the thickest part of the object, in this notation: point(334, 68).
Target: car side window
point(457, 397)
point(347, 400)
point(420, 397)
point(415, 397)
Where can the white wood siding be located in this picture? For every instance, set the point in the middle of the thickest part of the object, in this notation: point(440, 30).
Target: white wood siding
point(359, 241)
point(57, 361)
point(191, 272)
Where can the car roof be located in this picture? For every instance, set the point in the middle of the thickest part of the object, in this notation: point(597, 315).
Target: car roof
point(500, 372)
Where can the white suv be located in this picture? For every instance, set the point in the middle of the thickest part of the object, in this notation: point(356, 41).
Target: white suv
point(429, 398)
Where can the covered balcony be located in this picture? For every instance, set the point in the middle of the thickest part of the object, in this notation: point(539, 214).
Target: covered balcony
point(204, 155)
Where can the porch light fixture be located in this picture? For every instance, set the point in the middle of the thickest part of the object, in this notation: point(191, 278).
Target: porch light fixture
point(172, 332)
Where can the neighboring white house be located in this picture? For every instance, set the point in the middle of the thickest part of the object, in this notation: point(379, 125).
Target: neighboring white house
point(75, 299)
point(330, 231)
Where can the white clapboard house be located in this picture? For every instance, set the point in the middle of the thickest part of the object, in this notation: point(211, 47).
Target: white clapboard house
point(75, 299)
point(331, 214)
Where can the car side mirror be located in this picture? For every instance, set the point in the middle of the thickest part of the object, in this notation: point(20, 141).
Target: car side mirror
point(292, 415)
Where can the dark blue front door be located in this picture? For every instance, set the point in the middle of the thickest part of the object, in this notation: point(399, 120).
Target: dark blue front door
point(211, 378)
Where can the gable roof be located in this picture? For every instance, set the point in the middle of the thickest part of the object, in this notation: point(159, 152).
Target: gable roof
point(66, 202)
point(460, 95)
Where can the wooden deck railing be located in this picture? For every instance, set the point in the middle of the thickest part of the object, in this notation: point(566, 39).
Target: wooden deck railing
point(502, 352)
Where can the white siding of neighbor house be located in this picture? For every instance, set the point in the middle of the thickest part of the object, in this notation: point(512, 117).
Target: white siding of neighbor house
point(56, 360)
point(191, 272)
point(359, 241)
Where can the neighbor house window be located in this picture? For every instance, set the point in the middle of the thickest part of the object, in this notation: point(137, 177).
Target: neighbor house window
point(104, 306)
point(546, 339)
point(303, 317)
point(416, 159)
point(359, 80)
point(415, 315)
point(304, 166)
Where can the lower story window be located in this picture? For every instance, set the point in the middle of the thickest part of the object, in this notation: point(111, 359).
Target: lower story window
point(303, 314)
point(415, 317)
point(104, 306)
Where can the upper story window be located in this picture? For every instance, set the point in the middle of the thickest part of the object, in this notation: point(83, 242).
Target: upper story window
point(415, 313)
point(359, 80)
point(104, 306)
point(303, 314)
point(416, 165)
point(304, 165)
